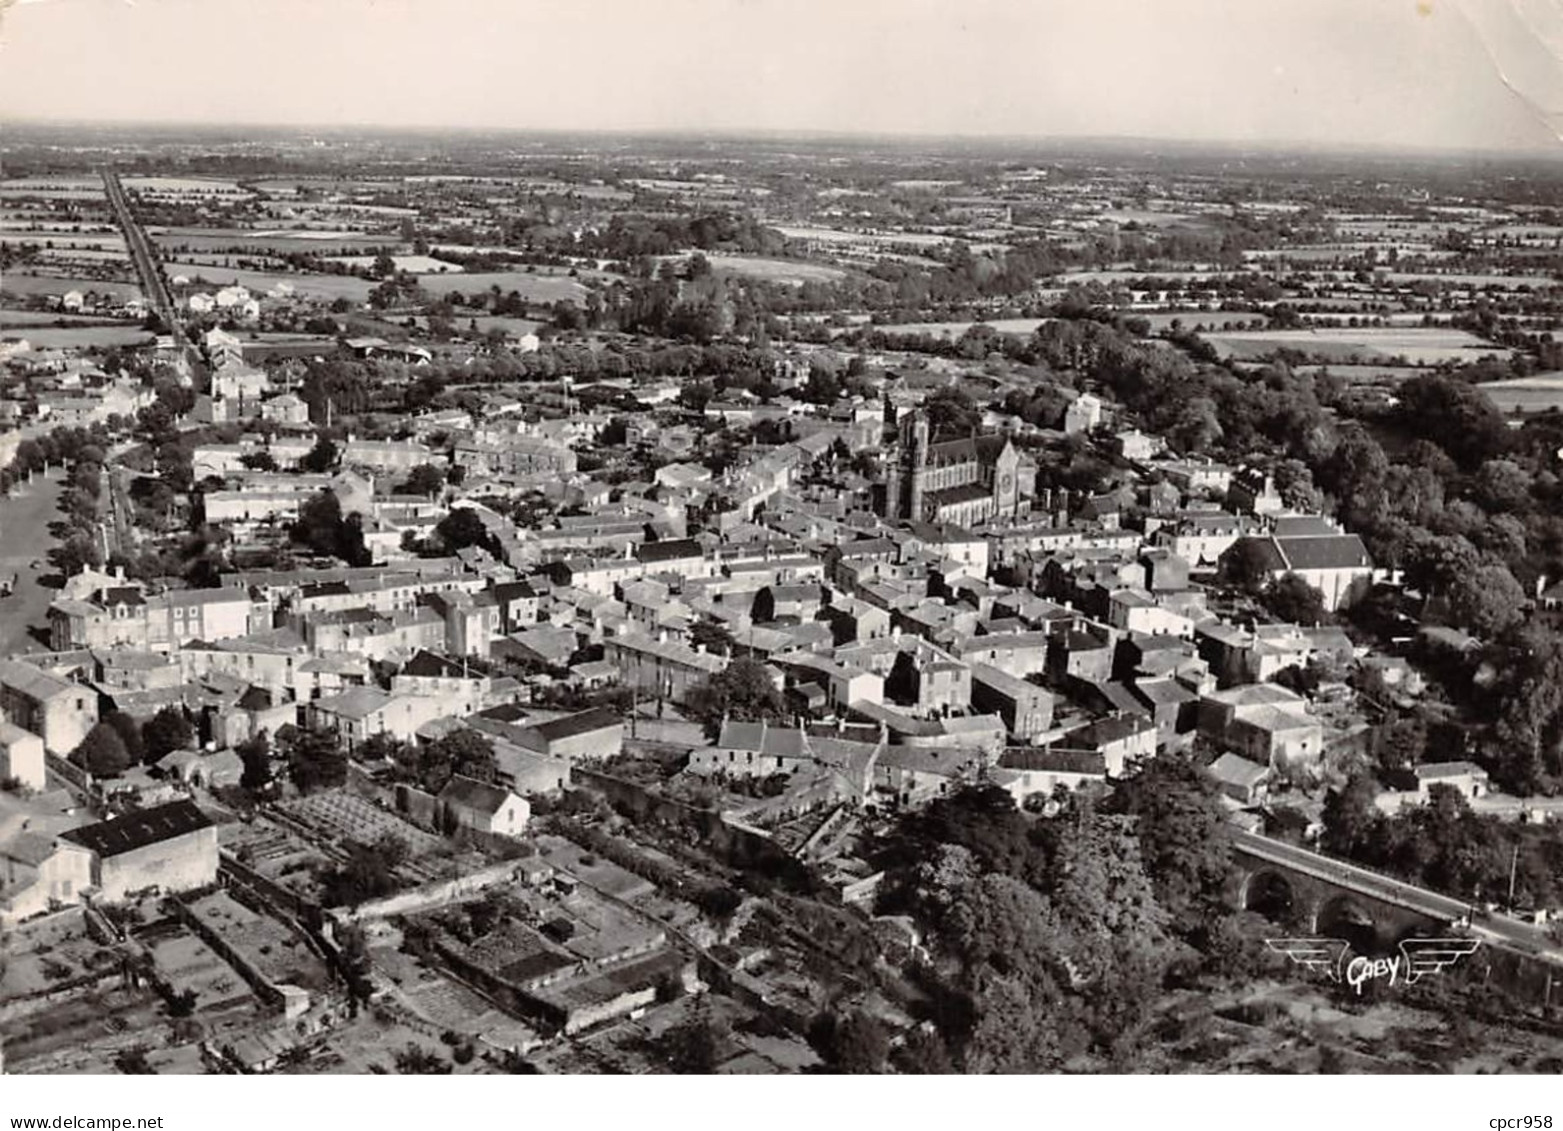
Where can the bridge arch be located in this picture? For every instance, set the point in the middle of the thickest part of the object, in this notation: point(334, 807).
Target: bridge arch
point(1345, 916)
point(1270, 892)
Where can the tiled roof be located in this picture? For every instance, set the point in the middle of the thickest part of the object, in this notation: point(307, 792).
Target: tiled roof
point(119, 835)
point(473, 794)
point(1330, 551)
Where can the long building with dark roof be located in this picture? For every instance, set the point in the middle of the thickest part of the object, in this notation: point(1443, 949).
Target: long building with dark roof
point(169, 848)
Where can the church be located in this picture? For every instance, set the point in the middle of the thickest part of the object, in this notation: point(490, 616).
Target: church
point(965, 482)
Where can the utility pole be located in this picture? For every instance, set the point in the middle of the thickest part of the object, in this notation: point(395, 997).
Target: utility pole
point(1514, 863)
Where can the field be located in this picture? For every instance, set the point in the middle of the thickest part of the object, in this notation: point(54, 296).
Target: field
point(1020, 326)
point(1108, 278)
point(1361, 374)
point(53, 188)
point(413, 264)
point(886, 239)
point(82, 337)
point(20, 284)
point(274, 240)
point(1191, 319)
point(515, 327)
point(112, 240)
point(783, 271)
point(318, 286)
point(57, 255)
point(1366, 346)
point(183, 186)
point(532, 288)
point(1503, 282)
point(1522, 395)
point(52, 318)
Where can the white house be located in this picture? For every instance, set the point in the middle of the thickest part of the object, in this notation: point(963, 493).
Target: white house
point(473, 804)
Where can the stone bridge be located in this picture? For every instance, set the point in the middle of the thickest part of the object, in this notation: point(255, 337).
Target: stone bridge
point(1319, 896)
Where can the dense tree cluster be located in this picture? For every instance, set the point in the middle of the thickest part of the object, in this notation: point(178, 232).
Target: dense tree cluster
point(1443, 845)
point(742, 691)
point(1056, 936)
point(325, 530)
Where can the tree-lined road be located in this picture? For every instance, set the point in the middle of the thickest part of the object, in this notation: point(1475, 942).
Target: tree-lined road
point(153, 285)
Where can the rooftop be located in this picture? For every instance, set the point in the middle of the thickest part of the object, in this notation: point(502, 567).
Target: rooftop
point(119, 835)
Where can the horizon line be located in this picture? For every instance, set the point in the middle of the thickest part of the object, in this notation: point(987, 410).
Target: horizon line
point(1269, 146)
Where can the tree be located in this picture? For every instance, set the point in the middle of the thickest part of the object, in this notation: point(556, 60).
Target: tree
point(368, 873)
point(1294, 601)
point(742, 691)
point(692, 1047)
point(165, 732)
point(321, 458)
point(713, 637)
point(465, 751)
point(854, 1044)
point(462, 528)
point(1456, 415)
point(1350, 817)
point(255, 753)
point(952, 413)
point(1198, 426)
point(1185, 839)
point(1486, 599)
point(1399, 743)
point(417, 1061)
point(425, 479)
point(355, 962)
point(129, 732)
point(76, 553)
point(324, 529)
point(1247, 564)
point(315, 759)
point(1503, 486)
point(258, 461)
point(101, 753)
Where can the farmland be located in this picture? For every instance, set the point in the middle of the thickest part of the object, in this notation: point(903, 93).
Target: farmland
point(1523, 395)
point(1020, 326)
point(532, 288)
point(183, 186)
point(78, 337)
point(272, 240)
point(784, 271)
point(883, 239)
point(325, 286)
point(414, 264)
point(53, 188)
point(96, 240)
point(1361, 374)
point(1365, 345)
point(17, 282)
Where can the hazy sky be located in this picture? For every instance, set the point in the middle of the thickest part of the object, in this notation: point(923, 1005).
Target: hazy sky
point(1434, 73)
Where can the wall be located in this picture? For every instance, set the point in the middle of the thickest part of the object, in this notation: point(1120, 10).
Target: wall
point(24, 760)
point(439, 894)
point(180, 864)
